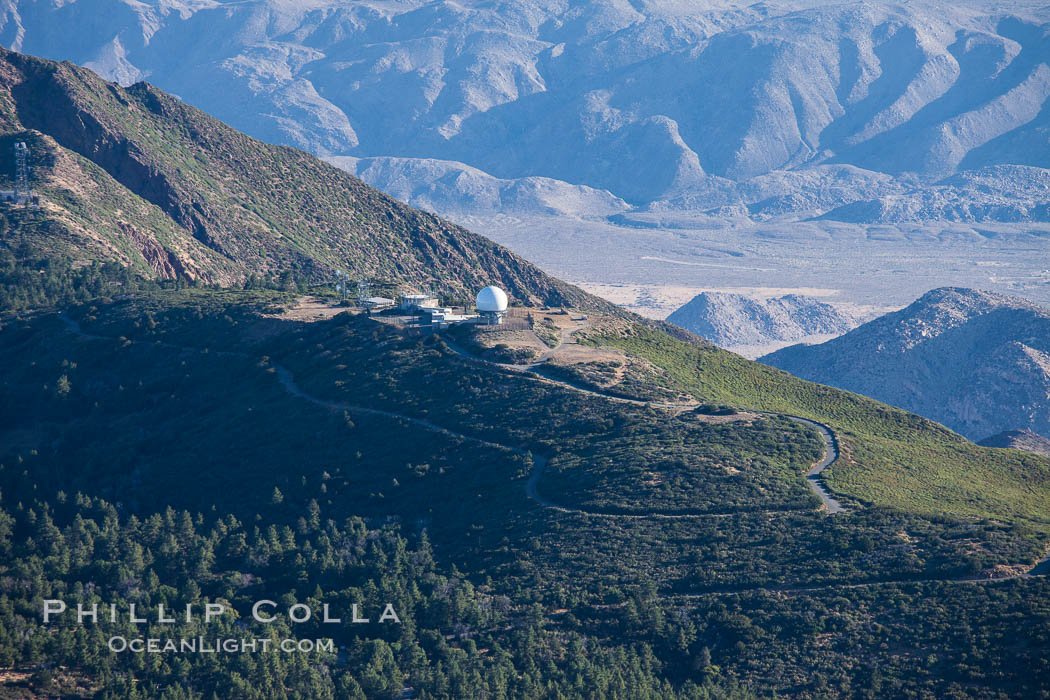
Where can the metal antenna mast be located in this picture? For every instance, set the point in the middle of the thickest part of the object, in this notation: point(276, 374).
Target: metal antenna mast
point(343, 285)
point(22, 171)
point(364, 290)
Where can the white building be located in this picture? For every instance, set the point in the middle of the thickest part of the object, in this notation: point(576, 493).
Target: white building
point(413, 302)
point(442, 317)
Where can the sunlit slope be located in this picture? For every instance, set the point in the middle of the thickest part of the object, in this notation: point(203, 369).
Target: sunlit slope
point(890, 457)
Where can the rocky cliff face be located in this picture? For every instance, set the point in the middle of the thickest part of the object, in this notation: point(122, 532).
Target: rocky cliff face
point(731, 320)
point(975, 361)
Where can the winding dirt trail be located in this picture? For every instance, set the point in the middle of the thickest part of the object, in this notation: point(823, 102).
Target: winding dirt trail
point(539, 462)
point(831, 449)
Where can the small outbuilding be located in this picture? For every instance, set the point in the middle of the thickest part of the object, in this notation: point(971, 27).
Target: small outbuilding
point(377, 303)
point(415, 302)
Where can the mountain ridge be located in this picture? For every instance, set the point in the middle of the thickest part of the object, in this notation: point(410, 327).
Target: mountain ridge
point(979, 362)
point(907, 93)
point(136, 175)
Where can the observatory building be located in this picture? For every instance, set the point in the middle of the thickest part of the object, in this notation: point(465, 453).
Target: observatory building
point(492, 305)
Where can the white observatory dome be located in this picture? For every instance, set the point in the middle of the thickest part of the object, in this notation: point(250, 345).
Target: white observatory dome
point(492, 299)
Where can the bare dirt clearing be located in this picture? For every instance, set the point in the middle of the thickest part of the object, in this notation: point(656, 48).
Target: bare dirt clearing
point(310, 309)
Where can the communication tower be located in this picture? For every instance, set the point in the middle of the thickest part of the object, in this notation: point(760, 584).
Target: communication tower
point(22, 172)
point(343, 285)
point(364, 291)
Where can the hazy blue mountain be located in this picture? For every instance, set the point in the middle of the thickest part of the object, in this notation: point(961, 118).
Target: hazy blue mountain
point(666, 103)
point(975, 361)
point(730, 320)
point(453, 187)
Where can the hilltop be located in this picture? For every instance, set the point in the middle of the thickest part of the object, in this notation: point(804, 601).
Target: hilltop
point(875, 150)
point(975, 361)
point(534, 533)
point(136, 176)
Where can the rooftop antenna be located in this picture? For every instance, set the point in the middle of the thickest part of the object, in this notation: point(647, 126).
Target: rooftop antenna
point(22, 172)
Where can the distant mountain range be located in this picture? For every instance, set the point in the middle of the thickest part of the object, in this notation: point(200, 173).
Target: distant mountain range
point(860, 112)
point(453, 187)
point(138, 177)
point(732, 320)
point(975, 361)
